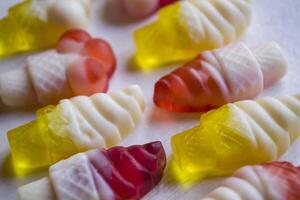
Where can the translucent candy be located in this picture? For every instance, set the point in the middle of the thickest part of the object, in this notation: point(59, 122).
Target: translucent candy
point(186, 28)
point(35, 24)
point(116, 173)
point(276, 181)
point(76, 125)
point(243, 133)
point(221, 76)
point(81, 65)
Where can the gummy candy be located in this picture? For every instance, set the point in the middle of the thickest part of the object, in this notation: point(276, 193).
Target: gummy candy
point(37, 24)
point(225, 75)
point(116, 173)
point(81, 66)
point(76, 125)
point(143, 8)
point(238, 134)
point(276, 181)
point(185, 28)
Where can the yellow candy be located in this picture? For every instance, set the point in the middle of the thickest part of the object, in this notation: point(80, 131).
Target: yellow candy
point(186, 28)
point(22, 31)
point(75, 125)
point(239, 134)
point(41, 142)
point(34, 24)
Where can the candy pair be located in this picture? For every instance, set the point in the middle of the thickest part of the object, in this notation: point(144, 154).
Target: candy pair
point(37, 24)
point(80, 65)
point(186, 28)
point(116, 173)
point(221, 76)
point(238, 134)
point(75, 125)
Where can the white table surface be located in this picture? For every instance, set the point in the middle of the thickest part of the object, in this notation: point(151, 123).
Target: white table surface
point(277, 20)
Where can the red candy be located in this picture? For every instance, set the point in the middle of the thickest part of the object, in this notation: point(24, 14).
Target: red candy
point(163, 3)
point(72, 41)
point(190, 88)
point(87, 76)
point(289, 176)
point(132, 171)
point(96, 64)
point(102, 51)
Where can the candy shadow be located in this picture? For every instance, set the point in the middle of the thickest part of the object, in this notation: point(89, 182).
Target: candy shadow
point(159, 115)
point(174, 175)
point(8, 170)
point(133, 66)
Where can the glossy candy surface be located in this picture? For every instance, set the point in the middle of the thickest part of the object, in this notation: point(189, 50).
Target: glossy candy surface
point(186, 28)
point(243, 133)
point(143, 8)
point(37, 24)
point(276, 181)
point(81, 65)
point(75, 125)
point(225, 75)
point(117, 173)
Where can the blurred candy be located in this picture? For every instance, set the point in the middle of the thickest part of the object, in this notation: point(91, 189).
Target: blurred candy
point(221, 76)
point(81, 66)
point(116, 173)
point(276, 181)
point(143, 8)
point(186, 28)
point(76, 125)
point(37, 24)
point(239, 134)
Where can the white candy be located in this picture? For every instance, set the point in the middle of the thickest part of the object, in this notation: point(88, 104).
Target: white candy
point(215, 22)
point(68, 13)
point(271, 124)
point(249, 183)
point(42, 81)
point(70, 179)
point(102, 120)
point(242, 72)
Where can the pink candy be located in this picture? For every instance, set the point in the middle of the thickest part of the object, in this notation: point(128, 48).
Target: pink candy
point(91, 72)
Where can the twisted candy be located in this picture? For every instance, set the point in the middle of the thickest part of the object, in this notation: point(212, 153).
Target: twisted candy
point(276, 181)
point(81, 66)
point(76, 125)
point(143, 8)
point(117, 173)
point(37, 24)
point(243, 133)
point(186, 28)
point(221, 76)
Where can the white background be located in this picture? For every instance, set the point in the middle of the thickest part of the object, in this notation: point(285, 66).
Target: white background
point(277, 20)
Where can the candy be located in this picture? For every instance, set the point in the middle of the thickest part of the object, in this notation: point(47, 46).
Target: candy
point(221, 76)
point(116, 173)
point(37, 24)
point(143, 8)
point(276, 181)
point(243, 133)
point(186, 28)
point(76, 125)
point(81, 66)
